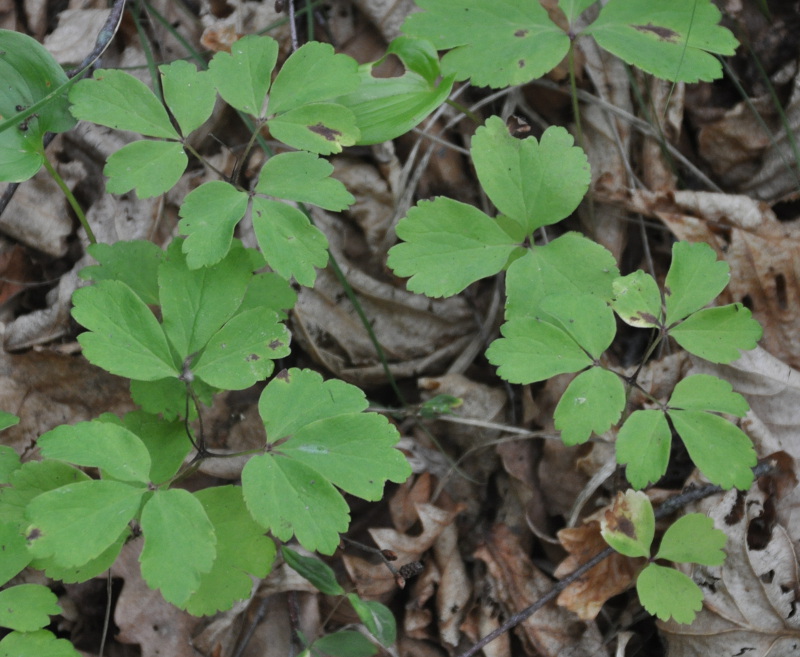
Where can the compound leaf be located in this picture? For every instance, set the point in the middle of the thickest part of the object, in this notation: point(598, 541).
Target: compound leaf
point(593, 401)
point(722, 451)
point(526, 178)
point(630, 524)
point(209, 215)
point(694, 279)
point(671, 39)
point(703, 392)
point(496, 43)
point(377, 618)
point(637, 300)
point(693, 539)
point(448, 245)
point(718, 334)
point(77, 522)
point(124, 336)
point(303, 177)
point(241, 547)
point(27, 607)
point(584, 317)
point(189, 93)
point(317, 572)
point(666, 592)
point(179, 544)
point(242, 77)
point(149, 167)
point(533, 350)
point(323, 128)
point(118, 100)
point(133, 262)
point(40, 643)
point(290, 244)
point(643, 443)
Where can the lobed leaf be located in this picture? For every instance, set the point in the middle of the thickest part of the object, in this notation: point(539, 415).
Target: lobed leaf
point(586, 318)
point(27, 607)
point(189, 94)
point(149, 167)
point(91, 569)
point(133, 262)
point(9, 459)
point(637, 300)
point(703, 392)
point(268, 290)
point(630, 524)
point(665, 592)
point(14, 551)
point(643, 443)
point(322, 128)
point(695, 278)
point(718, 334)
point(40, 643)
point(693, 539)
point(592, 402)
point(242, 77)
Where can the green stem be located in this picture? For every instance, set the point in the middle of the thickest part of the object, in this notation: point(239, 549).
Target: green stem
point(465, 111)
point(72, 200)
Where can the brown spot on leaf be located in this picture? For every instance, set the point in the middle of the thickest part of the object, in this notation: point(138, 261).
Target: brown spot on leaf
point(521, 33)
point(521, 63)
point(34, 534)
point(646, 317)
point(283, 375)
point(252, 357)
point(275, 344)
point(663, 33)
point(626, 526)
point(328, 133)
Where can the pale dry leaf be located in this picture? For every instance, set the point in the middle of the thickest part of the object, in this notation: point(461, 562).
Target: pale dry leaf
point(386, 15)
point(75, 35)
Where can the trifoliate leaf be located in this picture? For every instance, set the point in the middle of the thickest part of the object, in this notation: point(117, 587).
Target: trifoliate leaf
point(630, 524)
point(593, 401)
point(643, 443)
point(533, 350)
point(695, 278)
point(166, 441)
point(448, 245)
point(149, 167)
point(722, 451)
point(112, 448)
point(291, 499)
point(189, 93)
point(666, 592)
point(242, 550)
point(303, 177)
point(344, 643)
point(536, 183)
point(242, 352)
point(322, 128)
point(496, 43)
point(179, 544)
point(317, 572)
point(27, 607)
point(195, 303)
point(124, 336)
point(209, 215)
point(77, 522)
point(586, 318)
point(637, 300)
point(703, 392)
point(674, 40)
point(312, 74)
point(242, 77)
point(40, 643)
point(9, 459)
point(570, 264)
point(718, 334)
point(14, 551)
point(133, 262)
point(693, 539)
point(290, 244)
point(377, 618)
point(118, 100)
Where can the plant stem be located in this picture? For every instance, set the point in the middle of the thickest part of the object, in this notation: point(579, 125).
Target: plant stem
point(72, 200)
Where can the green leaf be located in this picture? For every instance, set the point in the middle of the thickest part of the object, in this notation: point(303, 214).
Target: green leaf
point(693, 539)
point(77, 522)
point(124, 336)
point(322, 128)
point(118, 100)
point(268, 290)
point(29, 74)
point(344, 643)
point(290, 244)
point(671, 39)
point(27, 607)
point(14, 551)
point(377, 618)
point(533, 350)
point(112, 448)
point(209, 215)
point(243, 76)
point(630, 525)
point(39, 644)
point(718, 334)
point(695, 278)
point(525, 178)
point(584, 317)
point(313, 73)
point(593, 401)
point(317, 572)
point(291, 499)
point(666, 593)
point(189, 93)
point(574, 8)
point(643, 443)
point(149, 167)
point(242, 548)
point(133, 262)
point(497, 43)
point(703, 392)
point(637, 300)
point(7, 420)
point(166, 442)
point(179, 544)
point(722, 451)
point(242, 352)
point(448, 245)
point(89, 570)
point(195, 303)
point(570, 264)
point(386, 108)
point(305, 178)
point(30, 480)
point(9, 459)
